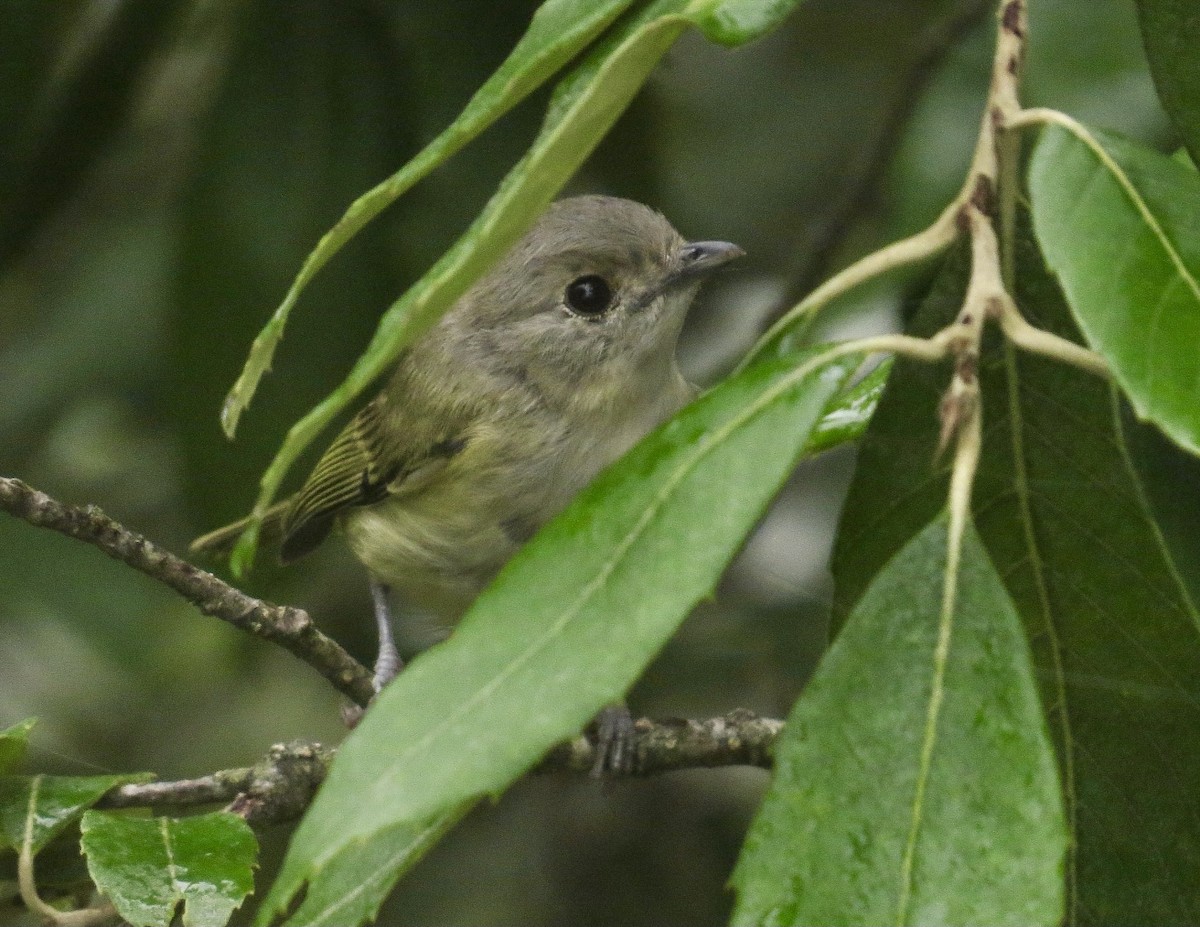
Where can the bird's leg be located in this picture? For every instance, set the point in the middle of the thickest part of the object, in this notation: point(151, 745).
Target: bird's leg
point(388, 662)
point(614, 742)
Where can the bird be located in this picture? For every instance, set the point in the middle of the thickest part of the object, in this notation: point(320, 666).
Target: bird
point(546, 371)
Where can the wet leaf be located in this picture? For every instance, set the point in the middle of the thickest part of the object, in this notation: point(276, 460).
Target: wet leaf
point(44, 806)
point(850, 413)
point(911, 788)
point(150, 866)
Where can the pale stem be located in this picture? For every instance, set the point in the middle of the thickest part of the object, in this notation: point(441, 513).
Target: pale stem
point(1039, 341)
point(27, 884)
point(914, 249)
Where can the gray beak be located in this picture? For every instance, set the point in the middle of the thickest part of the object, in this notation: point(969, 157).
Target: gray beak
point(697, 258)
point(700, 258)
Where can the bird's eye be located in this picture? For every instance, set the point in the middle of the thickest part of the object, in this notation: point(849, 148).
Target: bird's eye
point(590, 295)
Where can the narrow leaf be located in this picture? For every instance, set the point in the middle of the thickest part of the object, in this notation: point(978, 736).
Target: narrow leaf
point(46, 805)
point(147, 867)
point(1114, 635)
point(860, 826)
point(1121, 229)
point(1171, 34)
point(13, 743)
point(559, 30)
point(569, 624)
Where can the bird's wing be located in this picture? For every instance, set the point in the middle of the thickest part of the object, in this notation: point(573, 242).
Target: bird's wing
point(364, 465)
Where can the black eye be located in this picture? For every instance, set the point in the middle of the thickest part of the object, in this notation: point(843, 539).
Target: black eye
point(590, 295)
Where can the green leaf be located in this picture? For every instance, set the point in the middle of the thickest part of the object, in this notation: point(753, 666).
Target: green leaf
point(13, 743)
point(912, 788)
point(850, 413)
point(1120, 226)
point(46, 805)
point(148, 866)
point(1171, 34)
point(559, 30)
point(355, 882)
point(571, 621)
point(583, 108)
point(1060, 510)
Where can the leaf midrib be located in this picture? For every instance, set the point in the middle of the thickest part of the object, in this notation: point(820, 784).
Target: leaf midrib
point(1022, 493)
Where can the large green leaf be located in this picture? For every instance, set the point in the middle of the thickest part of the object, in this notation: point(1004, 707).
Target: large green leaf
point(912, 788)
point(13, 743)
point(1114, 636)
point(569, 624)
point(149, 866)
point(1121, 229)
point(1171, 33)
point(583, 108)
point(41, 807)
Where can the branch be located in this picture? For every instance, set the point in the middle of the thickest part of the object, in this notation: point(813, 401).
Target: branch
point(740, 738)
point(291, 628)
point(277, 788)
point(282, 785)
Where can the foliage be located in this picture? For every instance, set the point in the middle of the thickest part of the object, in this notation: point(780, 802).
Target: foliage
point(1006, 727)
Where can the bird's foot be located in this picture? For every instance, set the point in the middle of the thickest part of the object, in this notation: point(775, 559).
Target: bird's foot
point(614, 736)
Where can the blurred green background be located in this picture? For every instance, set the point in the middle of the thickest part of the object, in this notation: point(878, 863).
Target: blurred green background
point(165, 166)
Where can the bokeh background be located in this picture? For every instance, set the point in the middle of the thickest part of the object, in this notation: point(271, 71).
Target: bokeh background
point(165, 166)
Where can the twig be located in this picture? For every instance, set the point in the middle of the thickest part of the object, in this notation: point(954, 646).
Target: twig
point(925, 244)
point(277, 788)
point(961, 409)
point(740, 738)
point(281, 785)
point(1039, 341)
point(291, 628)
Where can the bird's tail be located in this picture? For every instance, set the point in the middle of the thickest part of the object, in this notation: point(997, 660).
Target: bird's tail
point(220, 543)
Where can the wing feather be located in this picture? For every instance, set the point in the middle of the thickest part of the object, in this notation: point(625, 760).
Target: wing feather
point(348, 474)
point(365, 464)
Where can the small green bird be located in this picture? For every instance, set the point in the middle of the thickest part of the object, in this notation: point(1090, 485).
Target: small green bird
point(549, 369)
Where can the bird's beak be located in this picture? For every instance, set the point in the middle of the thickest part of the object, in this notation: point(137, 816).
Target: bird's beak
point(700, 258)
